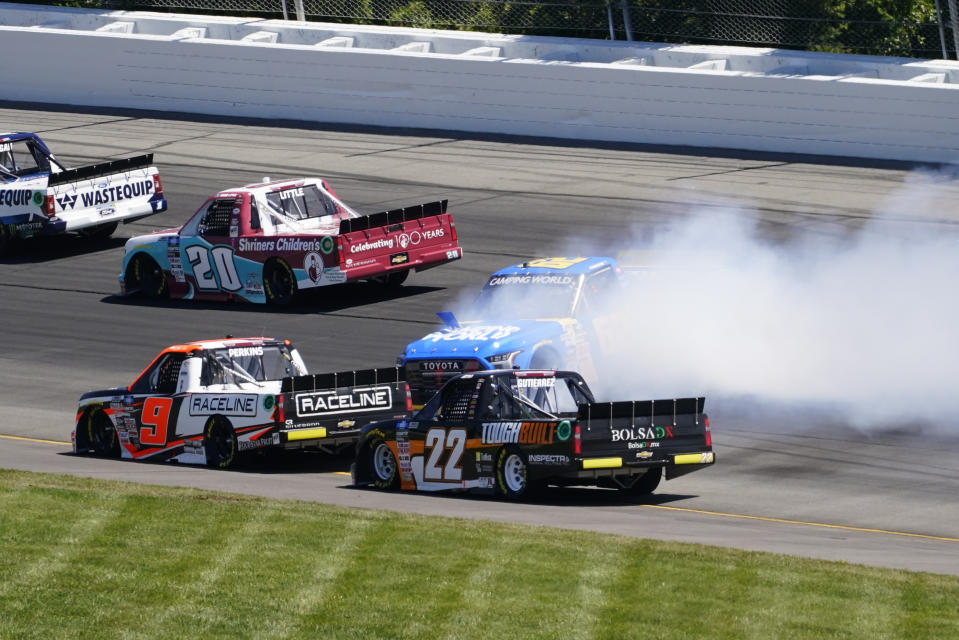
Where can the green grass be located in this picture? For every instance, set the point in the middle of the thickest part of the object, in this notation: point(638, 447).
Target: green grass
point(85, 558)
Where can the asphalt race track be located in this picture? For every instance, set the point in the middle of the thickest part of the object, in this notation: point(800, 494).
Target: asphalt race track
point(785, 484)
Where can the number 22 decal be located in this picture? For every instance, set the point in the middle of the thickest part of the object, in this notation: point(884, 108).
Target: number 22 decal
point(438, 441)
point(210, 264)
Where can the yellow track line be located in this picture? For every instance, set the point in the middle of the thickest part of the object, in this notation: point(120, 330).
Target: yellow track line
point(811, 524)
point(35, 440)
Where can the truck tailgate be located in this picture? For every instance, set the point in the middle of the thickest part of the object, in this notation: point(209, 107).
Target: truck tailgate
point(413, 237)
point(645, 433)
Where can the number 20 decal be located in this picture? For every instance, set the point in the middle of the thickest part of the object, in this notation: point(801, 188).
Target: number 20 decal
point(210, 264)
point(438, 441)
point(156, 419)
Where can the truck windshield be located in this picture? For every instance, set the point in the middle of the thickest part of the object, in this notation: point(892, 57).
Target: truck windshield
point(17, 159)
point(527, 296)
point(555, 394)
point(257, 363)
point(308, 201)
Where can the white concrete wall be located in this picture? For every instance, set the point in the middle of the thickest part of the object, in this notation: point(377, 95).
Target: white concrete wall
point(730, 97)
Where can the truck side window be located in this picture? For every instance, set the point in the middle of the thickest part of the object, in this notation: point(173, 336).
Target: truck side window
point(216, 220)
point(164, 377)
point(599, 289)
point(254, 214)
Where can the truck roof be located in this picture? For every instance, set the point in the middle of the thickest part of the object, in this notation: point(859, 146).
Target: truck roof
point(14, 136)
point(222, 343)
point(269, 185)
point(545, 266)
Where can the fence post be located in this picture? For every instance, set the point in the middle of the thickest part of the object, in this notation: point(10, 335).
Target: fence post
point(286, 16)
point(628, 23)
point(942, 31)
point(954, 20)
point(300, 14)
point(609, 19)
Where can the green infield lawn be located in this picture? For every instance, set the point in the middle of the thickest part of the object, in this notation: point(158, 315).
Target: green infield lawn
point(91, 559)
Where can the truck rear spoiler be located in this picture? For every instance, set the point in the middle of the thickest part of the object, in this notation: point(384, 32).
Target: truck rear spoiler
point(100, 169)
point(393, 216)
point(364, 395)
point(326, 381)
point(656, 412)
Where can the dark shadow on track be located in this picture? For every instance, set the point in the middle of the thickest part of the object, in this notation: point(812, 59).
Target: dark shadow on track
point(46, 248)
point(322, 300)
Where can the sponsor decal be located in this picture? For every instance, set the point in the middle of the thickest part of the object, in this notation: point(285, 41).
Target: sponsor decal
point(326, 245)
point(547, 458)
point(253, 285)
point(480, 333)
point(279, 245)
point(632, 434)
point(234, 230)
point(386, 243)
point(536, 383)
point(236, 211)
point(444, 365)
point(564, 430)
point(399, 258)
point(431, 234)
point(644, 455)
point(27, 229)
point(497, 281)
point(233, 404)
point(404, 241)
point(346, 424)
point(313, 265)
point(243, 352)
point(518, 432)
point(115, 194)
point(268, 402)
point(38, 198)
point(289, 194)
point(334, 275)
point(6, 146)
point(16, 197)
point(67, 201)
point(483, 456)
point(106, 211)
point(259, 443)
point(318, 403)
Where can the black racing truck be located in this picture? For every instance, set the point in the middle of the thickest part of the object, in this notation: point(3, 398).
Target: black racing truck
point(510, 432)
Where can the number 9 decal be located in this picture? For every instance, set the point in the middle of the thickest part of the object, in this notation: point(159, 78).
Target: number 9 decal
point(155, 418)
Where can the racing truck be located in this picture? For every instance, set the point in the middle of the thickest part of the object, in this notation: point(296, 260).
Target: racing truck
point(210, 401)
point(40, 196)
point(513, 432)
point(266, 242)
point(548, 313)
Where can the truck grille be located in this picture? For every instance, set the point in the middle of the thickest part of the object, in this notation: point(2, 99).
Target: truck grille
point(425, 377)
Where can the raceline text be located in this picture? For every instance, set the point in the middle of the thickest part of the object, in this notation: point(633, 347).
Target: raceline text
point(323, 402)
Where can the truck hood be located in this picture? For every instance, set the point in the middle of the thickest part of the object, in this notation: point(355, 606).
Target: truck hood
point(150, 238)
point(482, 339)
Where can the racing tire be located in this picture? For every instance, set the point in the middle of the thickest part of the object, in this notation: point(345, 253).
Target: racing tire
point(279, 284)
point(384, 470)
point(219, 442)
point(391, 280)
point(512, 475)
point(102, 435)
point(99, 232)
point(645, 484)
point(146, 276)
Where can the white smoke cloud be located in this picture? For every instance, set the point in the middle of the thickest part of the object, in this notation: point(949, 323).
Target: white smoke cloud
point(865, 324)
